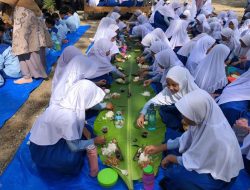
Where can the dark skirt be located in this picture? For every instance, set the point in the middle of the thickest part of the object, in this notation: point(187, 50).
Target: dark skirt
point(178, 178)
point(171, 116)
point(157, 87)
point(183, 59)
point(246, 164)
point(159, 21)
point(236, 110)
point(58, 158)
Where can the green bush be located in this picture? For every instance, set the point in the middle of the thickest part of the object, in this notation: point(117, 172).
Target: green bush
point(49, 5)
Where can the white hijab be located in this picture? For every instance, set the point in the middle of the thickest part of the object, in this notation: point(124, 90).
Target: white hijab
point(158, 32)
point(142, 19)
point(178, 33)
point(149, 39)
point(99, 57)
point(80, 67)
point(204, 26)
point(199, 52)
point(102, 27)
point(210, 74)
point(244, 29)
point(157, 47)
point(68, 54)
point(167, 59)
point(115, 16)
point(236, 29)
point(233, 40)
point(245, 149)
point(207, 7)
point(140, 31)
point(238, 90)
point(66, 120)
point(186, 84)
point(187, 48)
point(243, 51)
point(215, 31)
point(211, 146)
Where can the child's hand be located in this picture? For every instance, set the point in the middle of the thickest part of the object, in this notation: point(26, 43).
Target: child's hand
point(99, 140)
point(147, 82)
point(109, 106)
point(152, 149)
point(168, 160)
point(140, 121)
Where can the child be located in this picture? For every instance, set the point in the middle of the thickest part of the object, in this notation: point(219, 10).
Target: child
point(50, 23)
point(68, 19)
point(61, 27)
point(210, 154)
point(9, 63)
point(179, 83)
point(56, 136)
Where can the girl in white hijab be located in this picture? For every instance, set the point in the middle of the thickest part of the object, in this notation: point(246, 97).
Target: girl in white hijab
point(211, 156)
point(100, 56)
point(68, 54)
point(245, 28)
point(179, 83)
point(202, 24)
point(56, 136)
point(160, 35)
point(166, 60)
point(234, 24)
point(140, 31)
point(102, 27)
point(231, 41)
point(241, 53)
point(79, 67)
point(210, 74)
point(199, 52)
point(186, 49)
point(154, 69)
point(215, 31)
point(235, 99)
point(177, 31)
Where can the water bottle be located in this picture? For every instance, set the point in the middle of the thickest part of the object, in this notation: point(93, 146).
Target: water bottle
point(148, 178)
point(93, 160)
point(57, 45)
point(151, 112)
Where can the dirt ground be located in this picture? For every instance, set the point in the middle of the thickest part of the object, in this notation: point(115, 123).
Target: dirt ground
point(16, 129)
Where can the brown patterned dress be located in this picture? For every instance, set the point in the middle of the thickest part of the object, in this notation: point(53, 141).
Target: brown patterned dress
point(30, 38)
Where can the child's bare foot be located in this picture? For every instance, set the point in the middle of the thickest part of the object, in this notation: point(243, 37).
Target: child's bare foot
point(23, 81)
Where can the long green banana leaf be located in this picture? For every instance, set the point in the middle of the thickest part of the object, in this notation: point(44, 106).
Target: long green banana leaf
point(126, 136)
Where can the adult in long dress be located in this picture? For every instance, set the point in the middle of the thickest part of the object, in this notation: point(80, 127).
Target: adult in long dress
point(30, 38)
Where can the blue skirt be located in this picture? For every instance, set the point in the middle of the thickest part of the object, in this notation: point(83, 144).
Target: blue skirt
point(159, 21)
point(57, 158)
point(157, 87)
point(171, 116)
point(246, 164)
point(183, 59)
point(236, 110)
point(178, 178)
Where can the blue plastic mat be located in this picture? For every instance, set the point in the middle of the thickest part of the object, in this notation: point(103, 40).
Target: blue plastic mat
point(13, 96)
point(22, 174)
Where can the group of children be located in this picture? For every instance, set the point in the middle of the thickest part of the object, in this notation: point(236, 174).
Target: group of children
point(190, 77)
point(53, 30)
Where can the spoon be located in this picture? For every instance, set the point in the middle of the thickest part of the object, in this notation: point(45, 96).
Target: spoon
point(124, 172)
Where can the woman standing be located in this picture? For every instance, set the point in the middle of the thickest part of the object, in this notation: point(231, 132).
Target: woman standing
point(30, 38)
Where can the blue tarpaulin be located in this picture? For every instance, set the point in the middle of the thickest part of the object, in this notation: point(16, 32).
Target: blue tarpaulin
point(13, 96)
